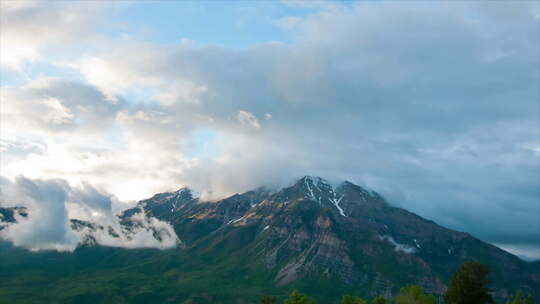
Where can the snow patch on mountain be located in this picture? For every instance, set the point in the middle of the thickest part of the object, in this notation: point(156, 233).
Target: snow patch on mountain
point(320, 190)
point(336, 203)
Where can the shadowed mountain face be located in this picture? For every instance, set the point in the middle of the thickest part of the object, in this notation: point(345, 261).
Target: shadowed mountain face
point(345, 236)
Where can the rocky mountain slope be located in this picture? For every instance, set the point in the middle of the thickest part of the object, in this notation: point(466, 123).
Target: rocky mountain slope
point(347, 232)
point(343, 236)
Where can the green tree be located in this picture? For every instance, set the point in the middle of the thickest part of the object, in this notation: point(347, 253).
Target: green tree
point(296, 298)
point(519, 298)
point(268, 300)
point(469, 285)
point(352, 300)
point(379, 300)
point(413, 294)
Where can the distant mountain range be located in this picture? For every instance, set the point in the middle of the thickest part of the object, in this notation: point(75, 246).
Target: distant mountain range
point(322, 239)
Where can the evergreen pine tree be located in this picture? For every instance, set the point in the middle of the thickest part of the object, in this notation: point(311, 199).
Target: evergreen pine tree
point(469, 285)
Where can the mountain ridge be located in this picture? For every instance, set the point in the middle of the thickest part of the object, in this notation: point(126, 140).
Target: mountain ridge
point(313, 230)
point(345, 209)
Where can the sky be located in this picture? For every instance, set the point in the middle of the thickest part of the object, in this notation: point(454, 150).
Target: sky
point(433, 104)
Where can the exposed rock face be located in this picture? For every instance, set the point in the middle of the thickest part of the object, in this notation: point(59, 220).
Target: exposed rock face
point(318, 251)
point(346, 232)
point(313, 229)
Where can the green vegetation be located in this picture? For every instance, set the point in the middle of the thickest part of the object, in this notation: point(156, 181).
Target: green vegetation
point(413, 294)
point(268, 300)
point(379, 300)
point(469, 285)
point(297, 298)
point(352, 300)
point(107, 275)
point(519, 298)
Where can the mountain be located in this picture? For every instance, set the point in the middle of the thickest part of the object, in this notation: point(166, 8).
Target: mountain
point(7, 215)
point(322, 239)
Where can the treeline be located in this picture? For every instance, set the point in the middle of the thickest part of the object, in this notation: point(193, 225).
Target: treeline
point(469, 285)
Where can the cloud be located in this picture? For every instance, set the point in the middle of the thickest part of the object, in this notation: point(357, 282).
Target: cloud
point(49, 230)
point(30, 28)
point(55, 105)
point(51, 204)
point(397, 246)
point(435, 105)
point(248, 119)
point(124, 76)
point(526, 252)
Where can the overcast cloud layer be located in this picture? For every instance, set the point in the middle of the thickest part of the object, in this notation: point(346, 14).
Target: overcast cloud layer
point(435, 105)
